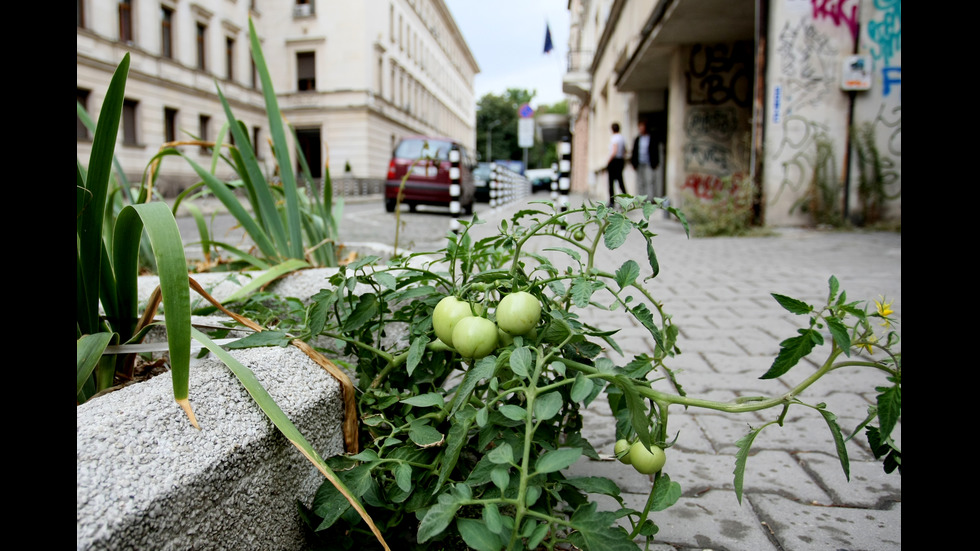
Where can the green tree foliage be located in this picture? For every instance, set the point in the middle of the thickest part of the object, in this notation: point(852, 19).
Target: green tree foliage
point(497, 116)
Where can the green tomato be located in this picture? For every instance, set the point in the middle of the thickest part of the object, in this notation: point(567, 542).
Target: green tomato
point(446, 315)
point(647, 461)
point(578, 235)
point(623, 450)
point(518, 313)
point(475, 337)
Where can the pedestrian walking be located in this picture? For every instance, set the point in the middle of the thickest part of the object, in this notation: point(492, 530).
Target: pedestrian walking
point(617, 160)
point(645, 158)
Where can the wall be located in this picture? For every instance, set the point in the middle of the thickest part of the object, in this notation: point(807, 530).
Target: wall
point(709, 118)
point(806, 107)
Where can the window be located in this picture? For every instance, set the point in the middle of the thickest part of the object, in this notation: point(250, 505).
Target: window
point(230, 57)
point(169, 124)
point(202, 32)
point(203, 122)
point(125, 20)
point(306, 71)
point(81, 131)
point(129, 121)
point(166, 32)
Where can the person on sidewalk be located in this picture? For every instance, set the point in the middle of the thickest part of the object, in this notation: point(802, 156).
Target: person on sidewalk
point(645, 159)
point(617, 160)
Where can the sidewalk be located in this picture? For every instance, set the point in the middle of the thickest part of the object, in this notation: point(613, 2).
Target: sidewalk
point(795, 495)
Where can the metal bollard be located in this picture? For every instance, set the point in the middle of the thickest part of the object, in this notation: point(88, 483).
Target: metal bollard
point(454, 189)
point(565, 171)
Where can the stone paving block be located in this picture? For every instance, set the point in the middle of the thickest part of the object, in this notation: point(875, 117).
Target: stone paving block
point(739, 383)
point(800, 527)
point(870, 486)
point(744, 366)
point(724, 430)
point(712, 344)
point(810, 434)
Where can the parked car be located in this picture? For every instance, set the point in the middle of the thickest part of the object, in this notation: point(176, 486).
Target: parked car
point(481, 179)
point(426, 161)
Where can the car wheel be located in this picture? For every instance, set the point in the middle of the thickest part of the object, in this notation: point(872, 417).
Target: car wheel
point(390, 205)
point(412, 207)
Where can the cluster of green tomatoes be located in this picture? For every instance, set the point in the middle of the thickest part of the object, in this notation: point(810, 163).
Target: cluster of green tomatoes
point(643, 460)
point(460, 325)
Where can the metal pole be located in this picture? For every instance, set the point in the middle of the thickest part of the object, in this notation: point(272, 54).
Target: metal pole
point(489, 159)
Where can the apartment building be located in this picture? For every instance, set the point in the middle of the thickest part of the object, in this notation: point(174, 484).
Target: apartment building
point(775, 94)
point(350, 77)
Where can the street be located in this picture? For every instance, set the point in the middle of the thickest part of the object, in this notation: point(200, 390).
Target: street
point(365, 227)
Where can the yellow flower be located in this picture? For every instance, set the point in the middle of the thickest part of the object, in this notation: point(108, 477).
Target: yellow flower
point(867, 344)
point(884, 310)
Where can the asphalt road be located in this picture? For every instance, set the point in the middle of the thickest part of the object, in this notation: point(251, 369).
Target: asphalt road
point(365, 227)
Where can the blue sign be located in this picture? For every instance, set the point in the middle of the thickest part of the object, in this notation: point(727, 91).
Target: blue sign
point(525, 111)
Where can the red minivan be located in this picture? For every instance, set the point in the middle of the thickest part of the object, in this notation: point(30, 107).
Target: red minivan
point(426, 161)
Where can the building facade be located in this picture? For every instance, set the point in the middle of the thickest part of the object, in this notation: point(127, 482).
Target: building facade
point(800, 99)
point(351, 77)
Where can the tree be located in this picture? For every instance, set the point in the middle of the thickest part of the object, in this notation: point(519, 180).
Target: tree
point(497, 116)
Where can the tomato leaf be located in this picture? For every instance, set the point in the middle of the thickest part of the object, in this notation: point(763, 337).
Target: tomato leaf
point(889, 408)
point(454, 443)
point(793, 305)
point(501, 455)
point(595, 530)
point(617, 230)
point(483, 369)
point(428, 399)
point(386, 280)
point(839, 331)
point(436, 519)
point(790, 353)
point(581, 388)
point(516, 413)
point(403, 477)
point(665, 493)
point(582, 291)
point(520, 362)
point(741, 457)
point(424, 435)
point(645, 317)
point(478, 535)
point(547, 405)
point(627, 273)
point(652, 257)
point(557, 460)
point(500, 475)
point(366, 308)
point(831, 420)
point(415, 353)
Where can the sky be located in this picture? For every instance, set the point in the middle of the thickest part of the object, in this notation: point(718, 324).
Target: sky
point(507, 40)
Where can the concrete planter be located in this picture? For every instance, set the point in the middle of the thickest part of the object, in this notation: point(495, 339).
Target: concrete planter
point(147, 479)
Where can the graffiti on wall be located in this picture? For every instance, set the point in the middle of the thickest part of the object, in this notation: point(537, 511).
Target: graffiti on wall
point(708, 133)
point(707, 186)
point(797, 147)
point(808, 63)
point(719, 74)
point(839, 12)
point(885, 34)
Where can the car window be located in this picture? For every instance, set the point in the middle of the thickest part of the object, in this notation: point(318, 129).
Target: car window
point(417, 149)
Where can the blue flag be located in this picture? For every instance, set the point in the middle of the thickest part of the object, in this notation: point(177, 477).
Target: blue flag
point(548, 46)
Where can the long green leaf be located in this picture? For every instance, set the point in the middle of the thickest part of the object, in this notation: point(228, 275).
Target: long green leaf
point(89, 223)
point(279, 145)
point(259, 190)
point(88, 351)
point(235, 208)
point(168, 249)
point(270, 275)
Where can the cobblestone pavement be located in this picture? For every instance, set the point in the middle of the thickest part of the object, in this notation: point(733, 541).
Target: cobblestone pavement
point(796, 496)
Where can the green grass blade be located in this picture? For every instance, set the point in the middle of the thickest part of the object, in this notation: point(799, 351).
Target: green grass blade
point(235, 208)
point(202, 229)
point(88, 352)
point(96, 181)
point(259, 190)
point(272, 274)
point(168, 249)
point(280, 147)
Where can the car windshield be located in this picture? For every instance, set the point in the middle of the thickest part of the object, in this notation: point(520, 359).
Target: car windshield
point(419, 149)
point(482, 171)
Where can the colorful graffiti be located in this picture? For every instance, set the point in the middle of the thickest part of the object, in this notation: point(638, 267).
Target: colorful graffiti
point(707, 186)
point(839, 13)
point(885, 34)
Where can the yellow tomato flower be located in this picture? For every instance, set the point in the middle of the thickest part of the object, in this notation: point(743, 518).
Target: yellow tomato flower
point(884, 310)
point(867, 344)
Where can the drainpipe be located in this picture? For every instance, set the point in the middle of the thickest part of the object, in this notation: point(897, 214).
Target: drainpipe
point(759, 117)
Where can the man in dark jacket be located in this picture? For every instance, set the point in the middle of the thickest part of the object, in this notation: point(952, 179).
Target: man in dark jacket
point(645, 158)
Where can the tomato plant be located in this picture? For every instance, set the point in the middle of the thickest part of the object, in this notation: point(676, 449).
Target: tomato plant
point(647, 461)
point(475, 337)
point(469, 426)
point(446, 315)
point(518, 313)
